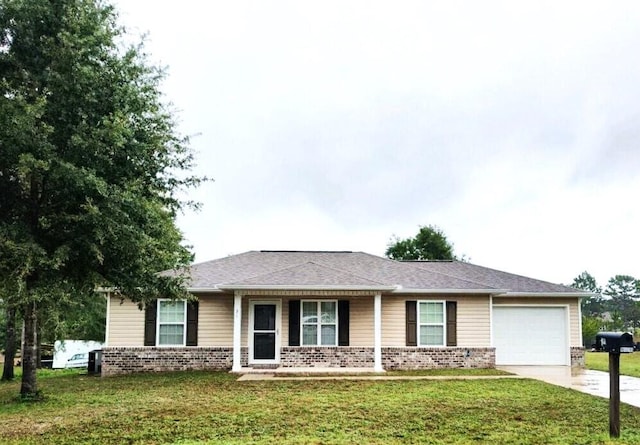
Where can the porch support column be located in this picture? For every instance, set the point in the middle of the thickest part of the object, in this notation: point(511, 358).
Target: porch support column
point(237, 331)
point(377, 333)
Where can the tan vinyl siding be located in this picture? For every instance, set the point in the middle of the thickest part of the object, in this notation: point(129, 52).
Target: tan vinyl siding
point(215, 324)
point(215, 320)
point(393, 321)
point(572, 303)
point(361, 321)
point(473, 326)
point(126, 323)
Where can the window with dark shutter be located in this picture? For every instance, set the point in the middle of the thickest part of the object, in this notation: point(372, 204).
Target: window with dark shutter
point(150, 314)
point(192, 323)
point(452, 316)
point(294, 322)
point(319, 322)
point(412, 323)
point(343, 322)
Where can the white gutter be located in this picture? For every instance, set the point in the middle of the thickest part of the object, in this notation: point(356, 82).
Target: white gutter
point(203, 289)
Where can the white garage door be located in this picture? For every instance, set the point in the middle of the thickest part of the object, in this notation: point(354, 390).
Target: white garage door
point(530, 335)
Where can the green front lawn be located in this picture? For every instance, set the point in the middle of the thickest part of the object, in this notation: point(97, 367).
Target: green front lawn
point(629, 363)
point(205, 407)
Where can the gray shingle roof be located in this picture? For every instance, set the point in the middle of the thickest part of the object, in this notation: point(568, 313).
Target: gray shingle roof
point(307, 274)
point(498, 278)
point(356, 269)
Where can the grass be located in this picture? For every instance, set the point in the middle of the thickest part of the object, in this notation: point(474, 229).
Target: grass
point(629, 363)
point(207, 407)
point(49, 373)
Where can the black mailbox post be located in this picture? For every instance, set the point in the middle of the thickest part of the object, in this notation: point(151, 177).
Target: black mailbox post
point(615, 343)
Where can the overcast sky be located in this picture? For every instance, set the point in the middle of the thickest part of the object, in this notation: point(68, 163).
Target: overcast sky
point(333, 125)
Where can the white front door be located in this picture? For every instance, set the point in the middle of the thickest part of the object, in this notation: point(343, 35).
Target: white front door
point(528, 335)
point(264, 331)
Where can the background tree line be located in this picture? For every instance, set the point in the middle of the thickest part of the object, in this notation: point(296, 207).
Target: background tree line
point(616, 307)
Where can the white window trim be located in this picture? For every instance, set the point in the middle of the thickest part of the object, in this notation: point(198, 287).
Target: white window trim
point(184, 324)
point(443, 324)
point(318, 324)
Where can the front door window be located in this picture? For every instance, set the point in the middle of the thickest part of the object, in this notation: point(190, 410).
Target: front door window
point(264, 331)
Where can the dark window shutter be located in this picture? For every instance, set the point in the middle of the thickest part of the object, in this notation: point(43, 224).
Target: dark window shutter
point(150, 315)
point(412, 323)
point(192, 323)
point(294, 322)
point(452, 317)
point(343, 322)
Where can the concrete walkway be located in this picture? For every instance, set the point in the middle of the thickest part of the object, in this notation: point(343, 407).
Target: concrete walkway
point(265, 376)
point(350, 374)
point(584, 380)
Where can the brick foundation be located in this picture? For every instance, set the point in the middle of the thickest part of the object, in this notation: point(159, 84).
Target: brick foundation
point(126, 360)
point(434, 358)
point(122, 360)
point(392, 358)
point(577, 356)
point(326, 357)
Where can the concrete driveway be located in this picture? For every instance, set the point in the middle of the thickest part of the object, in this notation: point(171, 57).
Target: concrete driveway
point(585, 380)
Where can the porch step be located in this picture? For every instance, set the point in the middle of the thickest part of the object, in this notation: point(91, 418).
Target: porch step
point(270, 366)
point(305, 371)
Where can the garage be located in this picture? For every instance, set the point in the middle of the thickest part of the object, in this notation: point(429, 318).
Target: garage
point(527, 335)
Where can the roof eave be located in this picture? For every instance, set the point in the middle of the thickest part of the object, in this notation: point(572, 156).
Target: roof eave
point(204, 289)
point(230, 287)
point(545, 294)
point(401, 290)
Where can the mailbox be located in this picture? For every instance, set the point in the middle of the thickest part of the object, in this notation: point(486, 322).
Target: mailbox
point(614, 342)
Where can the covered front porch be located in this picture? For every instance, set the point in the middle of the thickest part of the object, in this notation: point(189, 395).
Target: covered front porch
point(274, 329)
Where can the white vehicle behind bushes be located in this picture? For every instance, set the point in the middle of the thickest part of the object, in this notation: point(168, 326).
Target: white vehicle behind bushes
point(67, 353)
point(78, 361)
